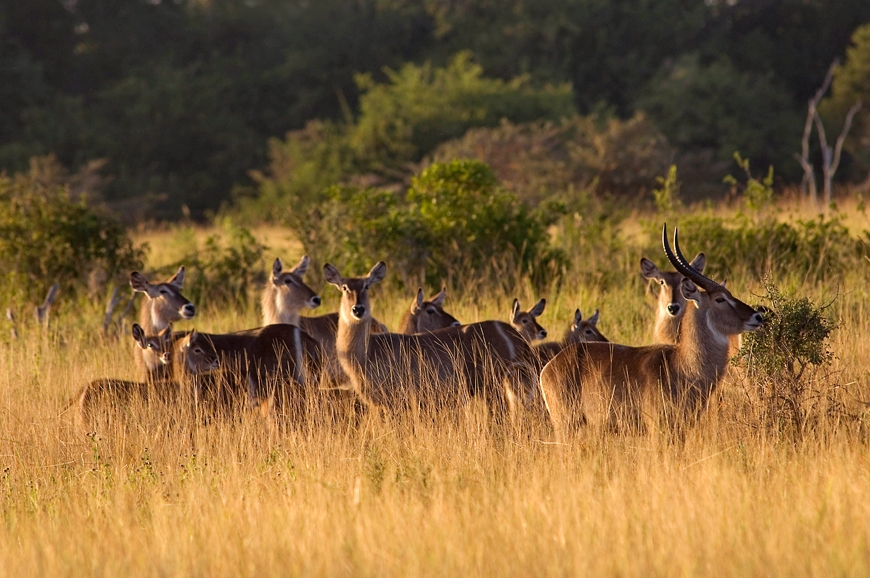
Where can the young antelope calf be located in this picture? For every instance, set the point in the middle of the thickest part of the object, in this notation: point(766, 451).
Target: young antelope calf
point(163, 304)
point(580, 331)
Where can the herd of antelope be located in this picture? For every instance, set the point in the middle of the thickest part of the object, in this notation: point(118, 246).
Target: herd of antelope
point(434, 362)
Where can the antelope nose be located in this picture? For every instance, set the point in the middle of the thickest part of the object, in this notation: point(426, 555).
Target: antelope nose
point(758, 318)
point(673, 308)
point(315, 300)
point(358, 311)
point(456, 324)
point(543, 333)
point(188, 311)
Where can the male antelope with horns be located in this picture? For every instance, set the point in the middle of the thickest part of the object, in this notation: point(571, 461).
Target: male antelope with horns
point(657, 387)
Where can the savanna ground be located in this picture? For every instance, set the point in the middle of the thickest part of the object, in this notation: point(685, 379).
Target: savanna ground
point(151, 492)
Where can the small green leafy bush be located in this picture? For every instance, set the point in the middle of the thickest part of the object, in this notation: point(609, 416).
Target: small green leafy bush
point(47, 235)
point(455, 217)
point(226, 270)
point(784, 360)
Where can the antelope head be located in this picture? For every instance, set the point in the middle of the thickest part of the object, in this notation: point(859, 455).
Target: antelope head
point(355, 306)
point(293, 293)
point(584, 329)
point(726, 315)
point(167, 302)
point(671, 301)
point(199, 353)
point(160, 344)
point(525, 322)
point(430, 315)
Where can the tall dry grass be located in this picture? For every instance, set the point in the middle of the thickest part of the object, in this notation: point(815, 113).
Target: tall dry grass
point(154, 491)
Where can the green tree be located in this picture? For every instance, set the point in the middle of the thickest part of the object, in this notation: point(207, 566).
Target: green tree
point(851, 84)
point(717, 107)
point(422, 106)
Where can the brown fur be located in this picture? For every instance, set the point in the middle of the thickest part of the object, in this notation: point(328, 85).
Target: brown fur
point(284, 298)
point(111, 392)
point(424, 316)
point(580, 331)
point(526, 322)
point(274, 366)
point(163, 304)
point(667, 324)
point(653, 388)
point(436, 369)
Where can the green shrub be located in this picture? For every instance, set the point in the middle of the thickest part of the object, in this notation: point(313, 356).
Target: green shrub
point(755, 242)
point(455, 217)
point(226, 270)
point(422, 106)
point(48, 236)
point(784, 359)
point(543, 159)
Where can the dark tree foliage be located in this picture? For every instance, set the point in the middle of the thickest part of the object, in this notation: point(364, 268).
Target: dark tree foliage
point(182, 96)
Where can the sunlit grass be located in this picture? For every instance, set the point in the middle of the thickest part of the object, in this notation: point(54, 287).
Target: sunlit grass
point(143, 494)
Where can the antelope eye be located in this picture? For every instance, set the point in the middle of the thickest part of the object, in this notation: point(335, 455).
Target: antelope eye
point(288, 281)
point(197, 350)
point(588, 332)
point(164, 291)
point(525, 321)
point(431, 311)
point(720, 300)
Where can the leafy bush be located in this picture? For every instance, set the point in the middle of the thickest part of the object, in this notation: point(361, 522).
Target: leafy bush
point(48, 235)
point(783, 359)
point(755, 241)
point(226, 270)
point(422, 106)
point(541, 158)
point(455, 217)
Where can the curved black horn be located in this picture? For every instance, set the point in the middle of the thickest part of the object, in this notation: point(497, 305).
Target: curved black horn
point(681, 264)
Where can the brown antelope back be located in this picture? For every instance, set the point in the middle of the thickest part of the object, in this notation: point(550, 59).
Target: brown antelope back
point(116, 393)
point(442, 368)
point(428, 315)
point(671, 305)
point(273, 366)
point(653, 388)
point(526, 322)
point(163, 305)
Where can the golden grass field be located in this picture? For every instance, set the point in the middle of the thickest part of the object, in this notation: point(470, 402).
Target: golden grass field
point(146, 495)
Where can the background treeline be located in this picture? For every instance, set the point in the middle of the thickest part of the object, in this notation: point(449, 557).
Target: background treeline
point(180, 98)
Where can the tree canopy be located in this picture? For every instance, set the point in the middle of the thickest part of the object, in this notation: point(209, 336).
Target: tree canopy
point(182, 97)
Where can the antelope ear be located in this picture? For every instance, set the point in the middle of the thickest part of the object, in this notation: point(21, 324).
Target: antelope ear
point(301, 267)
point(332, 275)
point(277, 267)
point(690, 291)
point(538, 309)
point(515, 310)
point(439, 299)
point(649, 270)
point(177, 279)
point(594, 319)
point(139, 283)
point(139, 336)
point(698, 262)
point(578, 317)
point(418, 302)
point(378, 272)
point(166, 332)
